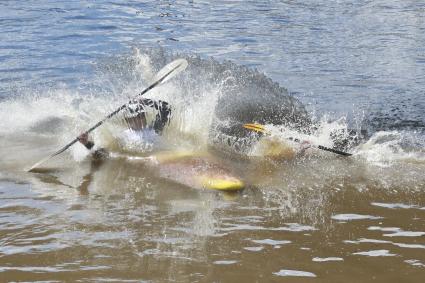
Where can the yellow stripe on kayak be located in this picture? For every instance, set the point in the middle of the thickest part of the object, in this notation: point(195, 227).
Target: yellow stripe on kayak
point(255, 127)
point(222, 184)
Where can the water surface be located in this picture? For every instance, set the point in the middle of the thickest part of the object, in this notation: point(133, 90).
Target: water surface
point(318, 217)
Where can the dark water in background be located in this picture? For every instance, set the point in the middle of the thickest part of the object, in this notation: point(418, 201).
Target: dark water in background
point(323, 218)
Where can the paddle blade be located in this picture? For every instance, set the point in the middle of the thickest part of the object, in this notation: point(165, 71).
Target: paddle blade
point(170, 70)
point(38, 164)
point(256, 127)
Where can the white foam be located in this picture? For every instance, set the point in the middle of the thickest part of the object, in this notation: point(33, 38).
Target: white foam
point(385, 229)
point(363, 240)
point(415, 262)
point(409, 246)
point(351, 216)
point(298, 227)
point(324, 259)
point(386, 148)
point(375, 253)
point(376, 241)
point(394, 205)
point(405, 234)
point(253, 249)
point(225, 262)
point(271, 242)
point(296, 273)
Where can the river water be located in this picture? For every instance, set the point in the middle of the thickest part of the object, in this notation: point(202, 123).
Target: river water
point(317, 217)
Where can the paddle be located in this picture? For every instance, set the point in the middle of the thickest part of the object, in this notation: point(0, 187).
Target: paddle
point(166, 73)
point(261, 129)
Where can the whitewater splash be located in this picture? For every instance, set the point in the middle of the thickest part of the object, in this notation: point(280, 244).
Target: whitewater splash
point(210, 102)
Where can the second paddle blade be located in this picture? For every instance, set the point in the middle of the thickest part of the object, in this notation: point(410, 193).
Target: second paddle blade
point(177, 65)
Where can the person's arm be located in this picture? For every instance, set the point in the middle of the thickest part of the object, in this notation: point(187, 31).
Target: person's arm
point(100, 153)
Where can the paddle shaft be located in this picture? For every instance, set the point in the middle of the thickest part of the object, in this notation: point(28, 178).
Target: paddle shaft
point(261, 129)
point(323, 147)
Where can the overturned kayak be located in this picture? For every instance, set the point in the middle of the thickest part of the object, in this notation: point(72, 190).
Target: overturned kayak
point(193, 169)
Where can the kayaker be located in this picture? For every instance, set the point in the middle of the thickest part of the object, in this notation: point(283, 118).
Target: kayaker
point(139, 129)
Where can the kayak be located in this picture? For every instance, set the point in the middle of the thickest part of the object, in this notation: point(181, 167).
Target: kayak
point(195, 170)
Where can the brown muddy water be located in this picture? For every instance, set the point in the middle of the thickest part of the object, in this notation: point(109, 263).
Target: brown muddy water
point(319, 218)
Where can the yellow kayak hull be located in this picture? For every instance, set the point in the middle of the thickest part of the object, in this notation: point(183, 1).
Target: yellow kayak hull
point(221, 184)
point(197, 170)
